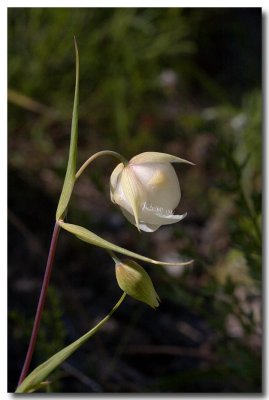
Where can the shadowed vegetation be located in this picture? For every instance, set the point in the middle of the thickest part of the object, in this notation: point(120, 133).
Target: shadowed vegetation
point(181, 81)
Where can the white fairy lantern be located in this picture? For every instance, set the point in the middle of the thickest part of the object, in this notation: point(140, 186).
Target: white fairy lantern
point(147, 190)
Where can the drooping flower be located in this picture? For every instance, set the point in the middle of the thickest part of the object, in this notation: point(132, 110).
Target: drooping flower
point(135, 281)
point(147, 190)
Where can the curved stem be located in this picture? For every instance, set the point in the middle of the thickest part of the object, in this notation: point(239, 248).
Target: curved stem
point(41, 302)
point(101, 323)
point(98, 154)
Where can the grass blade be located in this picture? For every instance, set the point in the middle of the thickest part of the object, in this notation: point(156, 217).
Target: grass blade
point(70, 176)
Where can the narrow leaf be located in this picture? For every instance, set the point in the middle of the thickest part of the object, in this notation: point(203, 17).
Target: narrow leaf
point(42, 371)
point(87, 236)
point(72, 160)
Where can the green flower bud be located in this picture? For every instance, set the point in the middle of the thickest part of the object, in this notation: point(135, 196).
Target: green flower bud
point(135, 281)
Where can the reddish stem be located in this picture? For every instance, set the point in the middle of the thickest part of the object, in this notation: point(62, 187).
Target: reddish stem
point(41, 303)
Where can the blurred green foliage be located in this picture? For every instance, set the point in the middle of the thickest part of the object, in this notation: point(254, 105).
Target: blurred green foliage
point(182, 81)
point(118, 77)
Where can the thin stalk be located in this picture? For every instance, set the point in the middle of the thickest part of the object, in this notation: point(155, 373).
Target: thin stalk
point(98, 154)
point(41, 302)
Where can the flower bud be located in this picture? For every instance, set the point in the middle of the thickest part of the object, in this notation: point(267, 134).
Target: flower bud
point(135, 281)
point(147, 190)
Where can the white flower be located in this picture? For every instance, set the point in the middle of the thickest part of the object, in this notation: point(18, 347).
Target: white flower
point(147, 190)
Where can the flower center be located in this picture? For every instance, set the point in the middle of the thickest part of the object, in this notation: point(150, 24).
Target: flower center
point(157, 179)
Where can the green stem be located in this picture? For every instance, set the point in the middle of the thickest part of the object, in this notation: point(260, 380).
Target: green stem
point(96, 155)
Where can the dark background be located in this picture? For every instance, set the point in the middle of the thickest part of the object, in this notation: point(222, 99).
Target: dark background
point(181, 81)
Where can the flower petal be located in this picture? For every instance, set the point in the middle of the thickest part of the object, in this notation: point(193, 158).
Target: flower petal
point(133, 191)
point(149, 227)
point(143, 226)
point(151, 222)
point(128, 216)
point(114, 180)
point(160, 184)
point(161, 219)
point(153, 156)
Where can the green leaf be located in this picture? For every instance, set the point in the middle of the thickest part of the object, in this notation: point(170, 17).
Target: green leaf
point(70, 175)
point(90, 237)
point(37, 376)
